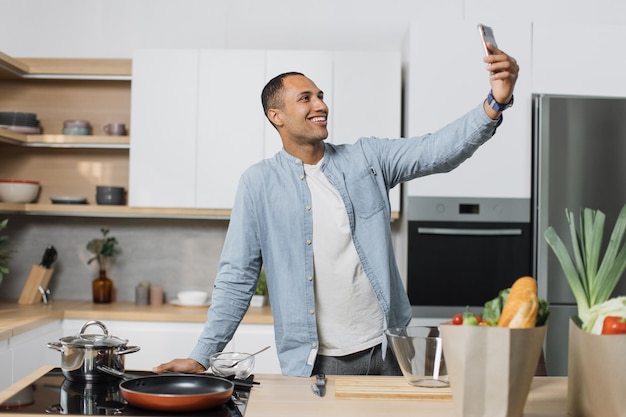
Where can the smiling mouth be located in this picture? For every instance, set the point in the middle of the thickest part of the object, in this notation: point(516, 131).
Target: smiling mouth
point(318, 119)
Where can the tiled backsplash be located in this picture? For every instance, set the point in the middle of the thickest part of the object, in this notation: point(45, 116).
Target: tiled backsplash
point(174, 253)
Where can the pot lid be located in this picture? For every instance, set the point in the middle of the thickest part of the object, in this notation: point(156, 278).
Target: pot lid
point(94, 340)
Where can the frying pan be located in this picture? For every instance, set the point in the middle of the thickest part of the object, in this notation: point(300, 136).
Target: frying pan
point(174, 392)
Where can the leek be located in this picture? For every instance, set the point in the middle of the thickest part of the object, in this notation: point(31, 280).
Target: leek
point(590, 280)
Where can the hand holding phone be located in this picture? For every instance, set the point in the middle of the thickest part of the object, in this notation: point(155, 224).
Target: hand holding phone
point(486, 35)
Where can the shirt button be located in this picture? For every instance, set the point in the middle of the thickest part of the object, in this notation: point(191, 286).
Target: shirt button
point(310, 278)
point(308, 241)
point(314, 344)
point(301, 176)
point(307, 207)
point(311, 311)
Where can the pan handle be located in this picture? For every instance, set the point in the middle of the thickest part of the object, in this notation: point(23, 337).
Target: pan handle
point(114, 372)
point(128, 349)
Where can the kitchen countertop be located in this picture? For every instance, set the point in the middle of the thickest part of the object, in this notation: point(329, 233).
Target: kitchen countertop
point(279, 395)
point(16, 318)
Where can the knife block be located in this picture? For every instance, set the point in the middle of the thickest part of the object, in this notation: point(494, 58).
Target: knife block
point(38, 277)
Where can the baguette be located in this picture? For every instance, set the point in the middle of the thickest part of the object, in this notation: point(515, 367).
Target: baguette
point(520, 308)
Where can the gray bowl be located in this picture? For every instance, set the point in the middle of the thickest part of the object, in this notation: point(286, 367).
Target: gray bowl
point(107, 195)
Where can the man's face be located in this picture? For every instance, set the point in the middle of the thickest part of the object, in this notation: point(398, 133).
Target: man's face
point(303, 117)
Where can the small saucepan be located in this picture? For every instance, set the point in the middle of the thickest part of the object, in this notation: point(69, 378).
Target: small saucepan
point(82, 354)
point(174, 392)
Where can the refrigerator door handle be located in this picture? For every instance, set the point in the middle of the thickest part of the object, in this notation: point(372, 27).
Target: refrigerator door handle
point(468, 232)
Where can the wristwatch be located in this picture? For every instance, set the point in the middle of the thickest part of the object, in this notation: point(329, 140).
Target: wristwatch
point(498, 106)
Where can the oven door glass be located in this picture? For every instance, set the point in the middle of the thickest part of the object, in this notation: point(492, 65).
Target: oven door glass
point(465, 263)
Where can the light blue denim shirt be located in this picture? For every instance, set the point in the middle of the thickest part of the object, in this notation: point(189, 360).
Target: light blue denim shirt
point(271, 225)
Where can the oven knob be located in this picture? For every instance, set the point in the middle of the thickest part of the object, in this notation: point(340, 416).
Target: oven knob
point(441, 208)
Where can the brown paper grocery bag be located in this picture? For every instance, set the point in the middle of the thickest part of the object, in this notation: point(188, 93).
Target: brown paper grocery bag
point(596, 380)
point(491, 368)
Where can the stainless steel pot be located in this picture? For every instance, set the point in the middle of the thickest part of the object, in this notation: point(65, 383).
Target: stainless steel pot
point(82, 354)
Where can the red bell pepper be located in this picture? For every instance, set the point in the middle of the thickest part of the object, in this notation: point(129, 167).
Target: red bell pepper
point(614, 325)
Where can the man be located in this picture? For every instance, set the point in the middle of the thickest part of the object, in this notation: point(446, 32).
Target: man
point(316, 217)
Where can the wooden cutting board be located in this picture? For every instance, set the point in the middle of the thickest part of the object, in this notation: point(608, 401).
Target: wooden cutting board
point(386, 387)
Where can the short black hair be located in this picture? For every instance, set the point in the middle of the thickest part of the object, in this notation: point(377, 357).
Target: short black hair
point(270, 96)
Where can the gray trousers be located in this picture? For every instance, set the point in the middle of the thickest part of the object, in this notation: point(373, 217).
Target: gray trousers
point(365, 362)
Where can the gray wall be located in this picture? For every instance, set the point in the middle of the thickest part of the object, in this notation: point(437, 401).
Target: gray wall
point(177, 254)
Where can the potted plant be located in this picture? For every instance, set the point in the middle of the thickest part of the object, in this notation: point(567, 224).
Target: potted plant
point(103, 249)
point(260, 297)
point(5, 253)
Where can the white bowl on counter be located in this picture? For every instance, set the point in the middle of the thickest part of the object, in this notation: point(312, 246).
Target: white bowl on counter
point(192, 298)
point(18, 191)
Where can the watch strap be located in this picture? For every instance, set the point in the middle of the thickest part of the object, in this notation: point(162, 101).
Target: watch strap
point(499, 107)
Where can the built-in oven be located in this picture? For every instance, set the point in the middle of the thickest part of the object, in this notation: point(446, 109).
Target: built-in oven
point(463, 251)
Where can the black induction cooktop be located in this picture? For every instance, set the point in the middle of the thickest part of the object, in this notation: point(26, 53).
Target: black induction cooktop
point(53, 394)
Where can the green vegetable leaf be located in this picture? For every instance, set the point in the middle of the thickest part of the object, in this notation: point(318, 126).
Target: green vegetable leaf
point(493, 308)
point(590, 280)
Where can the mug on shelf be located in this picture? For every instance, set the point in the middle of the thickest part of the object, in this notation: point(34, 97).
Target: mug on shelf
point(115, 129)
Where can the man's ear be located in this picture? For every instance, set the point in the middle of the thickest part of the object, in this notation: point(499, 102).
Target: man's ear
point(275, 116)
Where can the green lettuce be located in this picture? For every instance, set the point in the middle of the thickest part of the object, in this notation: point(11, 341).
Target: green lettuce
point(493, 309)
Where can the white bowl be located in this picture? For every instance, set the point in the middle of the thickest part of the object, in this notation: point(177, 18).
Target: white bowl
point(192, 297)
point(18, 191)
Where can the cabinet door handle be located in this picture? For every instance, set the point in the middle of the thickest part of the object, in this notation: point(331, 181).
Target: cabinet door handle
point(468, 232)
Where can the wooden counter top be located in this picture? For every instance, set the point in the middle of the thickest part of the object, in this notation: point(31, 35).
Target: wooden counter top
point(279, 395)
point(16, 319)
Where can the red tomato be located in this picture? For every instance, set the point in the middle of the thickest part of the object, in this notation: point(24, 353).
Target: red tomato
point(614, 325)
point(457, 319)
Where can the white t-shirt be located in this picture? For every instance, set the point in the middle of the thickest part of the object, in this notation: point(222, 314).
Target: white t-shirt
point(349, 318)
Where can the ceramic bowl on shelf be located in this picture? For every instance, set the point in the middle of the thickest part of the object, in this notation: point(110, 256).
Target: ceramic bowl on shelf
point(18, 191)
point(192, 297)
point(109, 195)
point(76, 127)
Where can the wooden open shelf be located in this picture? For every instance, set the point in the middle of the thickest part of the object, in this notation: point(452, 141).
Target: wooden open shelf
point(23, 68)
point(94, 210)
point(64, 141)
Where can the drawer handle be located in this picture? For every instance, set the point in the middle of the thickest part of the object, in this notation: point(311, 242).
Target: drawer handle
point(468, 232)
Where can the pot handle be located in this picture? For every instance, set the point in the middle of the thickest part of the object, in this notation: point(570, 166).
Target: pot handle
point(56, 346)
point(128, 349)
point(96, 323)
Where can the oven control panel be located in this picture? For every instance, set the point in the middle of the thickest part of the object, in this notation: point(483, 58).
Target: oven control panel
point(468, 209)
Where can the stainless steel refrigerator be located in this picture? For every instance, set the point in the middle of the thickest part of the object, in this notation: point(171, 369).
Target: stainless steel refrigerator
point(579, 160)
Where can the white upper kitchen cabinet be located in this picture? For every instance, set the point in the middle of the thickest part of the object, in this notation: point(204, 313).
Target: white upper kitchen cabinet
point(578, 59)
point(447, 78)
point(367, 97)
point(164, 117)
point(316, 65)
point(230, 122)
point(198, 123)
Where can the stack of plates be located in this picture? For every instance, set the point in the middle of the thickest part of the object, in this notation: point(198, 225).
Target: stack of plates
point(20, 122)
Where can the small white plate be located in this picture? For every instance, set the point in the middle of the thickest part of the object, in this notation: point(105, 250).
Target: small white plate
point(177, 302)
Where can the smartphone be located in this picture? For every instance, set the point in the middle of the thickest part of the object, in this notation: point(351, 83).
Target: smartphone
point(486, 35)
